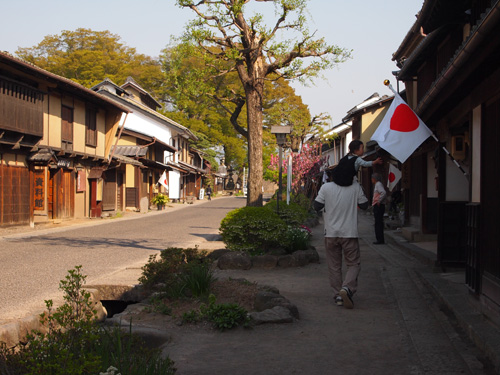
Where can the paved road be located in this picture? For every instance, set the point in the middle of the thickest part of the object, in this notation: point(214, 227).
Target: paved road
point(33, 263)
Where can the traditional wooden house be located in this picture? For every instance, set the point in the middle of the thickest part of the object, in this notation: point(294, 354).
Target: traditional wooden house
point(338, 145)
point(55, 140)
point(450, 65)
point(160, 144)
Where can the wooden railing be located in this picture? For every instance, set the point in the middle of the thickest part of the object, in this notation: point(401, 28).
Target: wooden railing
point(21, 107)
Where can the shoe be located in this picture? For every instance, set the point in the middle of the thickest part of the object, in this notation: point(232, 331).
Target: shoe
point(346, 296)
point(379, 243)
point(339, 301)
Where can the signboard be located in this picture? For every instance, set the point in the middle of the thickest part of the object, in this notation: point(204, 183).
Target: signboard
point(64, 163)
point(81, 181)
point(39, 195)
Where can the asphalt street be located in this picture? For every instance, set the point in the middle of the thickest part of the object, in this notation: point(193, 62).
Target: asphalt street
point(35, 261)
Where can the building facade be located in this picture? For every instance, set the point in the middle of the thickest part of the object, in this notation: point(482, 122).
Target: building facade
point(55, 135)
point(450, 66)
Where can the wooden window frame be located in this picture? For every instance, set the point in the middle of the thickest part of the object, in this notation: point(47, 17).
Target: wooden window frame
point(67, 132)
point(91, 126)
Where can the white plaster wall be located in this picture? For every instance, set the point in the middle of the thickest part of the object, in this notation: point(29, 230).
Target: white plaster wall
point(144, 125)
point(457, 185)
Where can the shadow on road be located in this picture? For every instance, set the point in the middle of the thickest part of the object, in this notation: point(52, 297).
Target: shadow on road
point(87, 242)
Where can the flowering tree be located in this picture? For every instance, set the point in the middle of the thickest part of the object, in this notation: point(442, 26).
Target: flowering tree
point(306, 167)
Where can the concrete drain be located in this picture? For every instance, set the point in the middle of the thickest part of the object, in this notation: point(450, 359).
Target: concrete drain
point(115, 306)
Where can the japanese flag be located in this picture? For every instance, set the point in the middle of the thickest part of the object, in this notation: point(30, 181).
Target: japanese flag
point(401, 130)
point(163, 180)
point(394, 177)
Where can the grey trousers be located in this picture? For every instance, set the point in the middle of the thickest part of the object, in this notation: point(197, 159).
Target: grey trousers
point(335, 247)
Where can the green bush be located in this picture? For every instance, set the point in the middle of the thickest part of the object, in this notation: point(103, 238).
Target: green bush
point(169, 265)
point(75, 344)
point(180, 272)
point(197, 279)
point(223, 316)
point(252, 229)
point(292, 214)
point(160, 199)
point(302, 200)
point(298, 238)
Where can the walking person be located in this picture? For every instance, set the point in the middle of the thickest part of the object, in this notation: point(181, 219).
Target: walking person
point(341, 236)
point(378, 203)
point(209, 192)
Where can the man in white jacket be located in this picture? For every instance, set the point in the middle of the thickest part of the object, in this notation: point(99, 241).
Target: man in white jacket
point(341, 236)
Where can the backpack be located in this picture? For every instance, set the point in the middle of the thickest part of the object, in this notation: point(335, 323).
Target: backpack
point(344, 172)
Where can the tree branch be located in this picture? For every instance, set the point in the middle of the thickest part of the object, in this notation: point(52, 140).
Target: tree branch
point(240, 102)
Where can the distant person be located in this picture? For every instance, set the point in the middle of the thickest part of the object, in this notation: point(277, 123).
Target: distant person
point(341, 236)
point(209, 193)
point(343, 174)
point(378, 203)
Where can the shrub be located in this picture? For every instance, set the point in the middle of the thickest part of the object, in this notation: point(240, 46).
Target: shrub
point(179, 271)
point(292, 214)
point(160, 199)
point(252, 229)
point(302, 200)
point(166, 269)
point(197, 279)
point(223, 316)
point(298, 238)
point(75, 343)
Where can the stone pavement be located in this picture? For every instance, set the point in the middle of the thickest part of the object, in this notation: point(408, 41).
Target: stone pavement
point(451, 292)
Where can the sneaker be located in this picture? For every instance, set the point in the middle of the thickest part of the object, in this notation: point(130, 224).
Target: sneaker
point(346, 296)
point(339, 301)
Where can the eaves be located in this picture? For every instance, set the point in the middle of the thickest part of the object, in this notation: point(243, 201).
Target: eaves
point(469, 48)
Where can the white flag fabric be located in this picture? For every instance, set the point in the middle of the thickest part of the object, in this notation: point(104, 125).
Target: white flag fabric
point(163, 180)
point(401, 130)
point(394, 177)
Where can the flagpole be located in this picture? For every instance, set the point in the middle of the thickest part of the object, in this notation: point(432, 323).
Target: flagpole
point(388, 84)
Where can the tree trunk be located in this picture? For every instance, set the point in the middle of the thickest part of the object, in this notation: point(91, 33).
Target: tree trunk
point(254, 121)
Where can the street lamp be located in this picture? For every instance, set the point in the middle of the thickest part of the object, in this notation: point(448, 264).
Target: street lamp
point(280, 132)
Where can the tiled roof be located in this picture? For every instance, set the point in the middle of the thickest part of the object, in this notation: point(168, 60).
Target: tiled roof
point(66, 83)
point(130, 150)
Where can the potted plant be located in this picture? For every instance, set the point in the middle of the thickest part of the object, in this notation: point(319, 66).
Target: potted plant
point(160, 200)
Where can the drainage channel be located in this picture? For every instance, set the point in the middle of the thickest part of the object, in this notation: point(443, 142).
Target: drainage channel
point(115, 306)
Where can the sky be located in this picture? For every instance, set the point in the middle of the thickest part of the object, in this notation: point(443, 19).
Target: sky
point(373, 30)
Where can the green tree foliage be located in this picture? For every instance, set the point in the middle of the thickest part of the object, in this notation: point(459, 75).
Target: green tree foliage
point(192, 91)
point(232, 40)
point(88, 56)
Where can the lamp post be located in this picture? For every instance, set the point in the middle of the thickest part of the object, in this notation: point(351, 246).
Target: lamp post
point(280, 132)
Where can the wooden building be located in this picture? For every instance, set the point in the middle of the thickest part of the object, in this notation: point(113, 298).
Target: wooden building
point(450, 65)
point(158, 143)
point(55, 141)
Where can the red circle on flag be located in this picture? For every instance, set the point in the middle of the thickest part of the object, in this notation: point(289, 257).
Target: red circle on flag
point(404, 119)
point(392, 177)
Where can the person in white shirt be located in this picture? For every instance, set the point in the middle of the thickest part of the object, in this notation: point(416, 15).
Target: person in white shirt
point(378, 203)
point(341, 236)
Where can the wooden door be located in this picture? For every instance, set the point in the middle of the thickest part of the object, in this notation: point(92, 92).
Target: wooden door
point(63, 194)
point(109, 191)
point(119, 190)
point(14, 195)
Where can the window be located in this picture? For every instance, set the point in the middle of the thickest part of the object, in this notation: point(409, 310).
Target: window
point(91, 126)
point(67, 128)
